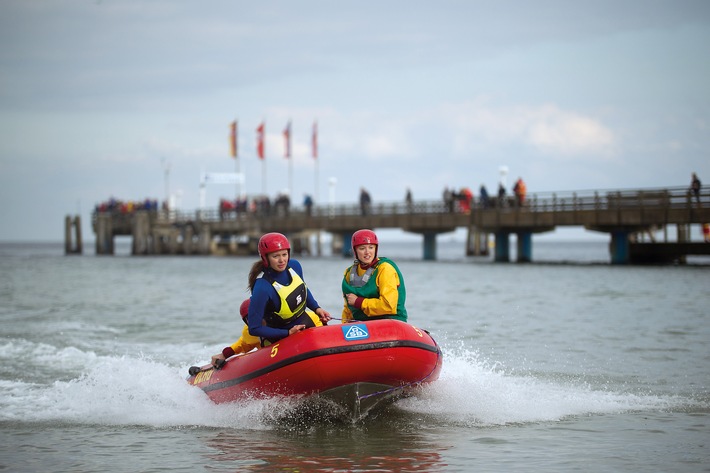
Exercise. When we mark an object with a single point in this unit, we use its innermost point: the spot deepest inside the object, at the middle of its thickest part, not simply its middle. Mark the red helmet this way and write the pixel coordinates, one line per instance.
(244, 308)
(273, 242)
(364, 237)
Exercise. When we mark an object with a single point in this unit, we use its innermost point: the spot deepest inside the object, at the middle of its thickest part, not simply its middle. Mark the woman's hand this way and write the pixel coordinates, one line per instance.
(351, 298)
(217, 360)
(324, 315)
(296, 329)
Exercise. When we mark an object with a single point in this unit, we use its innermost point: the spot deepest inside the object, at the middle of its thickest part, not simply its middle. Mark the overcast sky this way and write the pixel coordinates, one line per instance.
(97, 97)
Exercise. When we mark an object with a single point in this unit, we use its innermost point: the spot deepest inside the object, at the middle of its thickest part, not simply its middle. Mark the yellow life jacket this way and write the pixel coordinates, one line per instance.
(293, 298)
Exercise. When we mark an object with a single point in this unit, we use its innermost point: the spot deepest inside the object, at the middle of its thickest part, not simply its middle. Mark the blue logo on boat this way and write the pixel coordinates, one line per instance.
(355, 332)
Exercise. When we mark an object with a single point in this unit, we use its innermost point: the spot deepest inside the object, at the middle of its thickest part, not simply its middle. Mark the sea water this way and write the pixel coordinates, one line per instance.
(564, 364)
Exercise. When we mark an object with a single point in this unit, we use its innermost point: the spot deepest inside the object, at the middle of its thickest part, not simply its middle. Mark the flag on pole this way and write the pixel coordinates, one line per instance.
(233, 138)
(260, 141)
(287, 140)
(314, 140)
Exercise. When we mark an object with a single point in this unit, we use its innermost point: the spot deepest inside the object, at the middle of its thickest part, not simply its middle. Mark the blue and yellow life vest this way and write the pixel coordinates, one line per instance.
(293, 301)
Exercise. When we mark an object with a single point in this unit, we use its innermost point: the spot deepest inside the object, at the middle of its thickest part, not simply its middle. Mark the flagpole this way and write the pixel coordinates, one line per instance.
(261, 153)
(263, 176)
(314, 153)
(315, 184)
(234, 146)
(287, 154)
(314, 149)
(236, 160)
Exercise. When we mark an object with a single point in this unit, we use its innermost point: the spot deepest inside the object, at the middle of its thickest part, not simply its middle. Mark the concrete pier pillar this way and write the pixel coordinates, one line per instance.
(476, 242)
(683, 232)
(524, 247)
(187, 244)
(104, 234)
(67, 236)
(471, 241)
(173, 242)
(77, 233)
(502, 254)
(204, 239)
(72, 240)
(346, 241)
(619, 247)
(429, 246)
(141, 233)
(158, 242)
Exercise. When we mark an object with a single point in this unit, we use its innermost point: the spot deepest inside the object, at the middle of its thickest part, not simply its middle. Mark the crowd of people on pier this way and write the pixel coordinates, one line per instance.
(461, 200)
(126, 206)
(260, 205)
(464, 201)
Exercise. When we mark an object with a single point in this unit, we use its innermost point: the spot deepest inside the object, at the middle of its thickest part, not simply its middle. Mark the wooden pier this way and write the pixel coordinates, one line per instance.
(626, 215)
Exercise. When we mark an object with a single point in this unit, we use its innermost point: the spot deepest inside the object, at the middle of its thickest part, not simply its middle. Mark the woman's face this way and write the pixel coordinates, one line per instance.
(365, 253)
(278, 260)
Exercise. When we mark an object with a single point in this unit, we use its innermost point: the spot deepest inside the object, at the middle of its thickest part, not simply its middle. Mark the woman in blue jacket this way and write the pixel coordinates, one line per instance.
(279, 295)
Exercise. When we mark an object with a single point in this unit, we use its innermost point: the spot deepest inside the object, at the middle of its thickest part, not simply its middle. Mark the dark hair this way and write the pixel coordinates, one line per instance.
(256, 269)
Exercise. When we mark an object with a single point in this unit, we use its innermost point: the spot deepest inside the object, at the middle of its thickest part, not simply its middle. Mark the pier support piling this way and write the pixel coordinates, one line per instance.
(346, 244)
(72, 246)
(204, 239)
(524, 247)
(104, 234)
(429, 246)
(683, 232)
(619, 247)
(502, 254)
(141, 233)
(187, 240)
(476, 242)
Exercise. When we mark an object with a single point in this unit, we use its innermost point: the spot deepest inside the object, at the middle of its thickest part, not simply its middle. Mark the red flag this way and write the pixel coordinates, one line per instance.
(233, 138)
(260, 141)
(287, 140)
(314, 140)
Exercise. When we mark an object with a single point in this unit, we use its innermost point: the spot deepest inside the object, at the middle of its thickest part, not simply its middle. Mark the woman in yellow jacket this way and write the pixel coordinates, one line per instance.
(245, 344)
(373, 287)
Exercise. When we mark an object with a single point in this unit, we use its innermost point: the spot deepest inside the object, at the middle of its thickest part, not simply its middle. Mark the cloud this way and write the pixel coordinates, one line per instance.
(474, 126)
(563, 133)
(545, 129)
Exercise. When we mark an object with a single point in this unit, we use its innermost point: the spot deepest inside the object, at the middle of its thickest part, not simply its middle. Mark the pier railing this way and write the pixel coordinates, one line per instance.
(565, 201)
(625, 215)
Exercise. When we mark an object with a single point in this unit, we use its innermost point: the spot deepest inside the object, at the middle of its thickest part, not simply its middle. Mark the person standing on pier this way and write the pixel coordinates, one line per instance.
(501, 195)
(373, 287)
(520, 190)
(365, 202)
(279, 295)
(695, 186)
(483, 199)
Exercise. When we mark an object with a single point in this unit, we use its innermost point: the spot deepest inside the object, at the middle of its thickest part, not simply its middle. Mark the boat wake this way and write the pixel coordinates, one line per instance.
(141, 391)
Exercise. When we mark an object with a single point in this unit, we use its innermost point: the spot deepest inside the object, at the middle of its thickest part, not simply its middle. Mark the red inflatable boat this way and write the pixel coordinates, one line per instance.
(357, 365)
